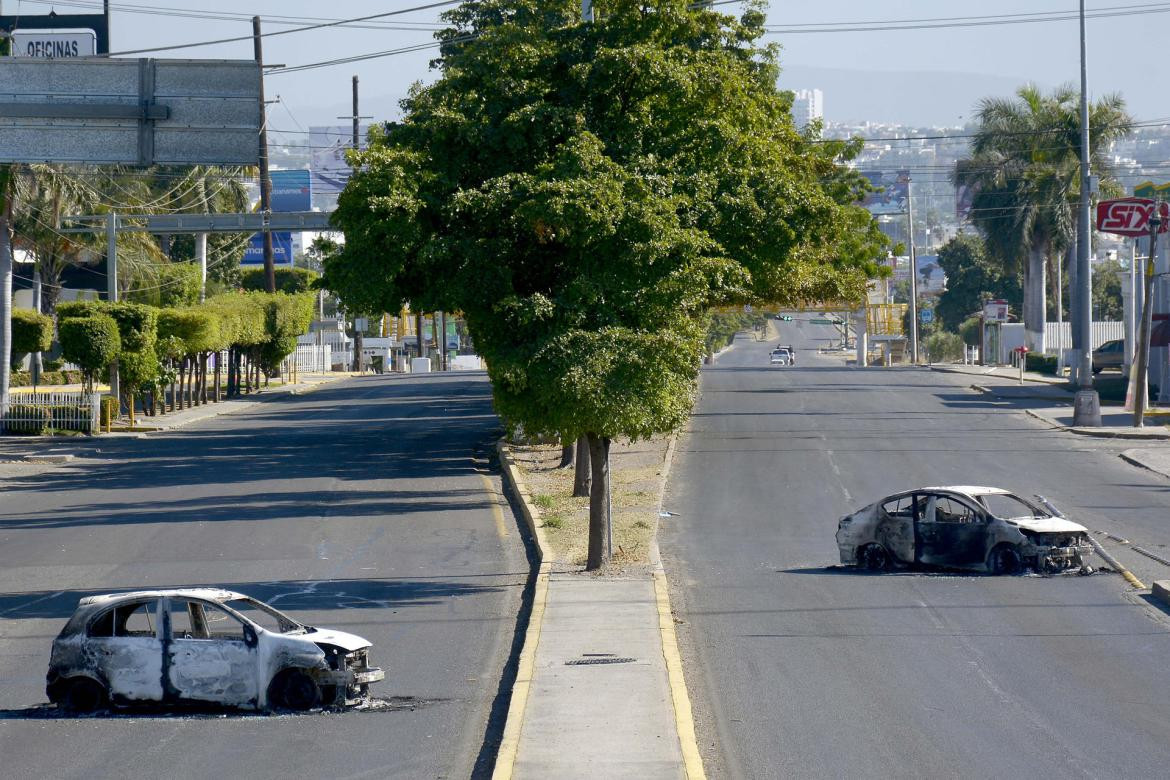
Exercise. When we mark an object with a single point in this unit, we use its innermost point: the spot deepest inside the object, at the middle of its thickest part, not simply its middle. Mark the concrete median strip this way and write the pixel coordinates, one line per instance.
(576, 711)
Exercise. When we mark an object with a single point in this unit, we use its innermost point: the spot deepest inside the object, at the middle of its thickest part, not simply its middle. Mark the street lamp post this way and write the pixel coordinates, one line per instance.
(1087, 406)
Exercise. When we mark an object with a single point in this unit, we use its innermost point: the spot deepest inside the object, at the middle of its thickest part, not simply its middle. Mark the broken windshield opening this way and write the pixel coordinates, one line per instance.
(1007, 506)
(265, 616)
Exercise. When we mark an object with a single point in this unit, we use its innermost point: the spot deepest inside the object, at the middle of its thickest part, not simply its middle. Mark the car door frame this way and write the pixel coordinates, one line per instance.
(182, 653)
(967, 541)
(132, 666)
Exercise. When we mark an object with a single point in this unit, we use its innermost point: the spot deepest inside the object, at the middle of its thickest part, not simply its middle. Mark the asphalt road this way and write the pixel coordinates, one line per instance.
(801, 668)
(365, 506)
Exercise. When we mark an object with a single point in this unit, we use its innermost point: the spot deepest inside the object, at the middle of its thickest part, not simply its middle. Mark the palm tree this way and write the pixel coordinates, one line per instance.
(1025, 171)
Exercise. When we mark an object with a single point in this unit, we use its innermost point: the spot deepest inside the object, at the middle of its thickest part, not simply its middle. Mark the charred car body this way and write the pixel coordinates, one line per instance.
(982, 528)
(202, 646)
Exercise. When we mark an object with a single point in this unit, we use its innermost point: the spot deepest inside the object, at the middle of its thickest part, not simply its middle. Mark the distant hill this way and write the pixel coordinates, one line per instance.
(917, 98)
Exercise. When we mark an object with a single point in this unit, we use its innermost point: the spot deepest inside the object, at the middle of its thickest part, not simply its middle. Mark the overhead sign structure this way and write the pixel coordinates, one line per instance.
(292, 190)
(1131, 216)
(329, 167)
(250, 222)
(282, 250)
(129, 112)
(891, 192)
(54, 44)
(98, 24)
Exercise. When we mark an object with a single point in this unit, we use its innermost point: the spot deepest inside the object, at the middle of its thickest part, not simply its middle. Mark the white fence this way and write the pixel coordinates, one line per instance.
(314, 358)
(35, 413)
(1056, 336)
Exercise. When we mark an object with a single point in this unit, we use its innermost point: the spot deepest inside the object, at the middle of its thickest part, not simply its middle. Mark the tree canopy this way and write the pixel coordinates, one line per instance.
(1024, 170)
(583, 193)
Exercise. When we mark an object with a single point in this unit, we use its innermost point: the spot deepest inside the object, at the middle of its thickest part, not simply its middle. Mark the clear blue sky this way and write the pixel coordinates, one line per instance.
(1123, 52)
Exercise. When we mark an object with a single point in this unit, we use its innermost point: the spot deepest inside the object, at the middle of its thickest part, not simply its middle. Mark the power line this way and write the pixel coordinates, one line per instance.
(305, 28)
(972, 21)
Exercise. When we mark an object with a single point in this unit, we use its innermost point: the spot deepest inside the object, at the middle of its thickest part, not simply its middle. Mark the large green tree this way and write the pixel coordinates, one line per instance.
(972, 279)
(1025, 171)
(583, 193)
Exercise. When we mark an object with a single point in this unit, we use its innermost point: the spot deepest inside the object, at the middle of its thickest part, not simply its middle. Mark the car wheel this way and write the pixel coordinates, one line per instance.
(1005, 559)
(295, 690)
(83, 694)
(874, 557)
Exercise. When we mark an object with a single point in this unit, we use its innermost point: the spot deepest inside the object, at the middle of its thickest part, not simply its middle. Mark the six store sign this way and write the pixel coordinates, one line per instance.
(1130, 216)
(55, 44)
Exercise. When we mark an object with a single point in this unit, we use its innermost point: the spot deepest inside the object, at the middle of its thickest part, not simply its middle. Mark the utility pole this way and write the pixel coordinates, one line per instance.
(357, 332)
(201, 254)
(112, 288)
(1142, 370)
(1087, 405)
(265, 182)
(913, 275)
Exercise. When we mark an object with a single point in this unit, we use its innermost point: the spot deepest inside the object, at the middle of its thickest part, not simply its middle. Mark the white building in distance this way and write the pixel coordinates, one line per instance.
(809, 104)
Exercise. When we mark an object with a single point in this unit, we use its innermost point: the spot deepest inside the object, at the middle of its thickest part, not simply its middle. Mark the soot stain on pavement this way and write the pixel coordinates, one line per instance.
(375, 704)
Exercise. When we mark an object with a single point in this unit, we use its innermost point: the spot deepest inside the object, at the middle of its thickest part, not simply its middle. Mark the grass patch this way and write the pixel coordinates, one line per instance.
(553, 521)
(544, 501)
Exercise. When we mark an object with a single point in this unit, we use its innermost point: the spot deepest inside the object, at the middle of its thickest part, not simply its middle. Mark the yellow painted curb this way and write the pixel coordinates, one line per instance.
(683, 715)
(514, 723)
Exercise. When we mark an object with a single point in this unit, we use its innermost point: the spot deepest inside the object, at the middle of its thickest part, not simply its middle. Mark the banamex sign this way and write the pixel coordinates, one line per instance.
(1130, 216)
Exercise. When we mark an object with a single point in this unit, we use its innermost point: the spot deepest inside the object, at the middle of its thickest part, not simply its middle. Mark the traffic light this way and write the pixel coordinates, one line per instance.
(787, 318)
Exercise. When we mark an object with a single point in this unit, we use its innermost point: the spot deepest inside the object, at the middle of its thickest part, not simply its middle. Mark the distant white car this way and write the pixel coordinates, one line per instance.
(202, 645)
(782, 356)
(983, 528)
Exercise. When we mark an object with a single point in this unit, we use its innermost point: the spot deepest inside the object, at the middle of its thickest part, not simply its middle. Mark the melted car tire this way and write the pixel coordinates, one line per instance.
(875, 558)
(294, 690)
(83, 694)
(1005, 559)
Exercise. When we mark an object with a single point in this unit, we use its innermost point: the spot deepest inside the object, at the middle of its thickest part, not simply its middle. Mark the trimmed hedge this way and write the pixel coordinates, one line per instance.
(1041, 364)
(24, 378)
(31, 332)
(288, 280)
(91, 343)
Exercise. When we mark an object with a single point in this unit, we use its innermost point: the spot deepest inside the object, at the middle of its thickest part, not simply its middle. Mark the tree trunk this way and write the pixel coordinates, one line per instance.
(581, 475)
(598, 514)
(218, 355)
(1035, 298)
(568, 450)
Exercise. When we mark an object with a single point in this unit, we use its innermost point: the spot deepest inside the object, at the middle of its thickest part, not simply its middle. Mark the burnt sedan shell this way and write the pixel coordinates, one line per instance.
(203, 645)
(979, 528)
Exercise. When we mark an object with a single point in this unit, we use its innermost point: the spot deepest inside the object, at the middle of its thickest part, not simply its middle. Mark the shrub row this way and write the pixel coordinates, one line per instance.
(24, 378)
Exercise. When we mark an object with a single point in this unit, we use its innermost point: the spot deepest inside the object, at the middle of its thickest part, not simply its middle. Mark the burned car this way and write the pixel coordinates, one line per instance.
(202, 646)
(982, 528)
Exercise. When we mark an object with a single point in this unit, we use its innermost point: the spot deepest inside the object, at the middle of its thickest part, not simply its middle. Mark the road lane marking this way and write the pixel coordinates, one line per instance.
(497, 509)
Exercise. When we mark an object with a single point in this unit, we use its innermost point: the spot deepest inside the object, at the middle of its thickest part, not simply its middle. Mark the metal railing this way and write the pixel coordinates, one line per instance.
(39, 413)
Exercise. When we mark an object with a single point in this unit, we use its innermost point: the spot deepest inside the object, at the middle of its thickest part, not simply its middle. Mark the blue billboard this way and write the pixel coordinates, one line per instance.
(282, 249)
(291, 191)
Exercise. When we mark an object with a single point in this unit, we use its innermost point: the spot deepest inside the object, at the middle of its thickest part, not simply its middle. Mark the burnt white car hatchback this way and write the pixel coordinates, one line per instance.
(981, 528)
(202, 646)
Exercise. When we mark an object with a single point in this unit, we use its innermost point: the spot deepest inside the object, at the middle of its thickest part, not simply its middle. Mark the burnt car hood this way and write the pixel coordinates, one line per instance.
(1048, 525)
(347, 642)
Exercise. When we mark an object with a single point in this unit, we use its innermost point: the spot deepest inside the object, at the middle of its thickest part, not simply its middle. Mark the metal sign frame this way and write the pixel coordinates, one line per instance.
(99, 23)
(175, 224)
(130, 111)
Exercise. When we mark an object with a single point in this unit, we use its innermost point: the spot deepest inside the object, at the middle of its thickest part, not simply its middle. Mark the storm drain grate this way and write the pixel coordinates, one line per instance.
(597, 661)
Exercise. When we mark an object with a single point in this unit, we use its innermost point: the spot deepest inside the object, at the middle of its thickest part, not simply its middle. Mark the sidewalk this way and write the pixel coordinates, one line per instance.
(18, 448)
(599, 689)
(1053, 403)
